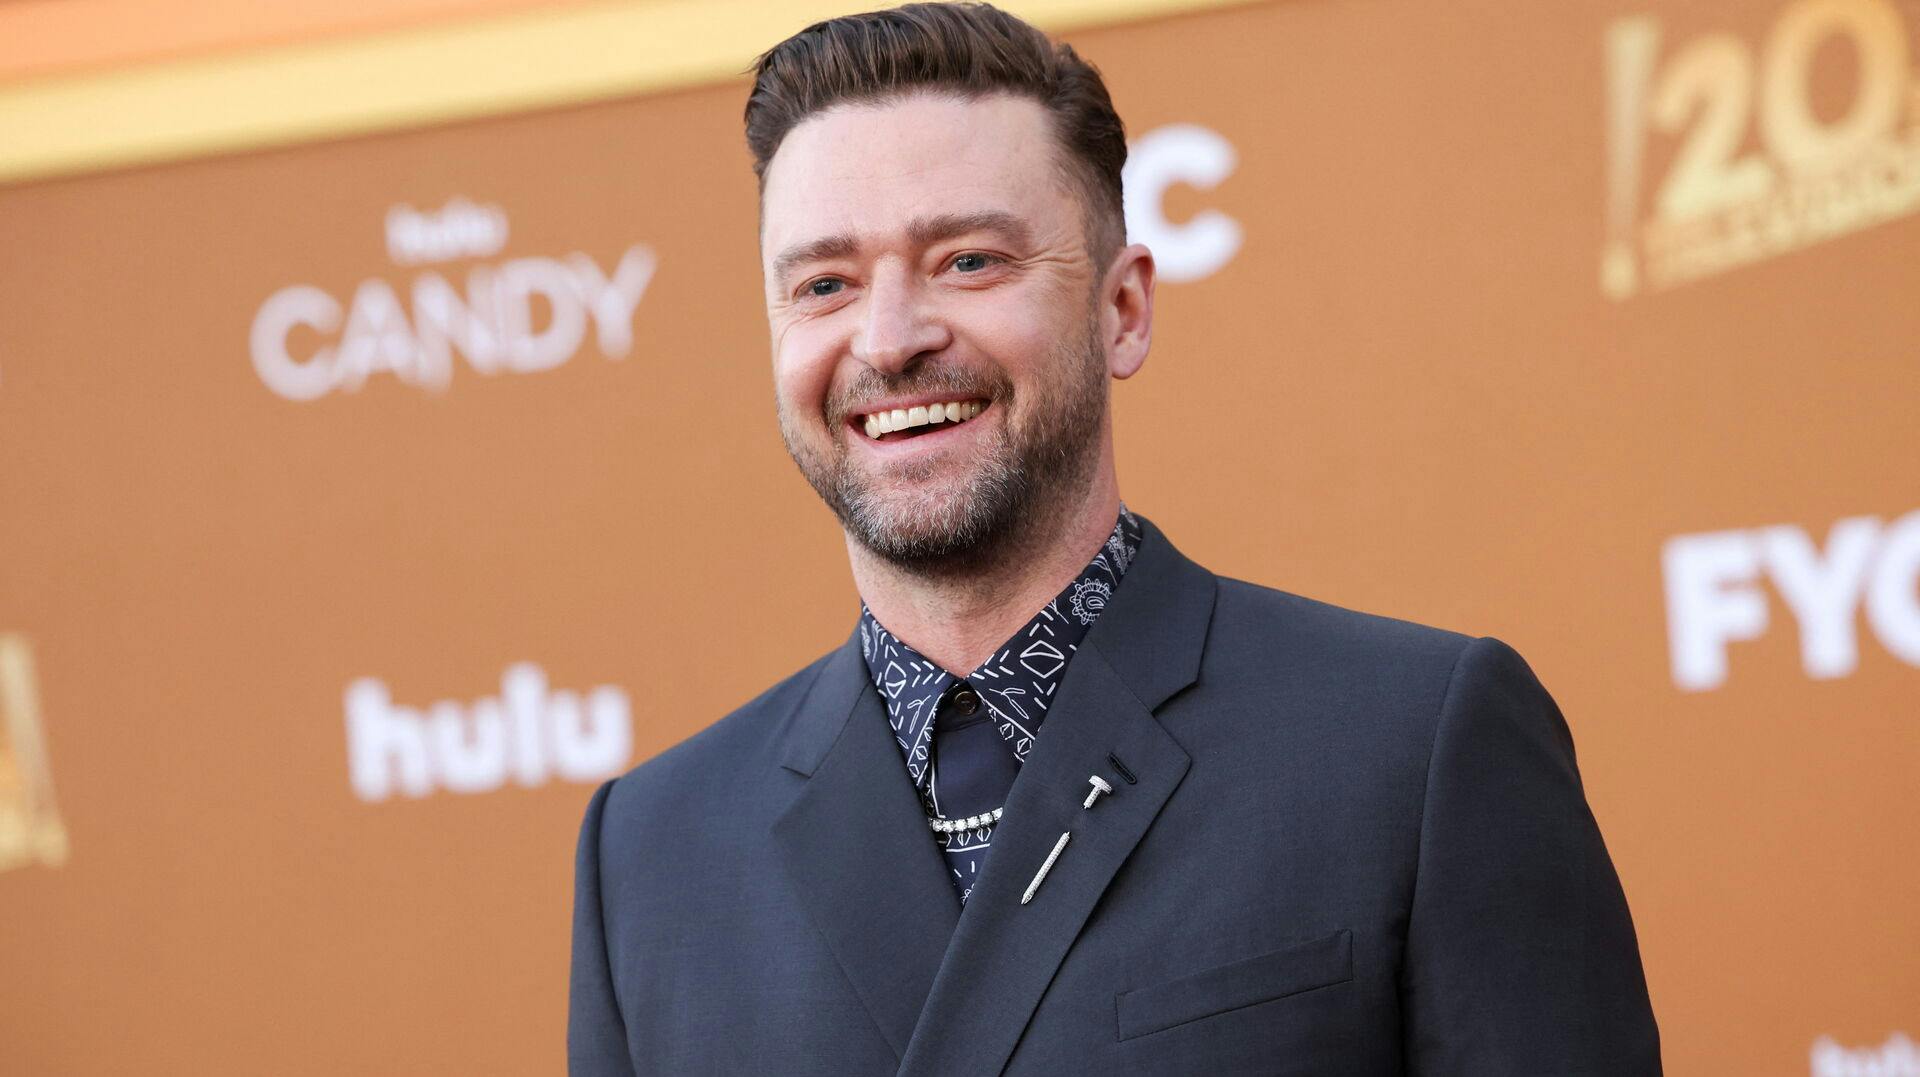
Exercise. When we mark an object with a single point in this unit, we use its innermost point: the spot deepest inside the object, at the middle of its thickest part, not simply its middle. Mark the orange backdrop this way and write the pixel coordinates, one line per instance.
(361, 502)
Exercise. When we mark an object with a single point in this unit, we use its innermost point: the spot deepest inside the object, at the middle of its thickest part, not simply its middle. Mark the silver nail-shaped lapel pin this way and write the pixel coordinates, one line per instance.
(1046, 867)
(1099, 787)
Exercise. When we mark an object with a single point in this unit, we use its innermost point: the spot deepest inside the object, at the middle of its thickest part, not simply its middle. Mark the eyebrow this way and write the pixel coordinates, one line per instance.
(921, 232)
(840, 246)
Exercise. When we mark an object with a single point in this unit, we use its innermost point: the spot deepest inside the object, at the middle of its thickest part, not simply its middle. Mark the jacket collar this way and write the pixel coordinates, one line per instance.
(1156, 629)
(952, 993)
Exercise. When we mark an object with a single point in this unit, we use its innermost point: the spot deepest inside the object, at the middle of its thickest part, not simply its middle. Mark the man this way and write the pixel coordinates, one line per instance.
(1065, 802)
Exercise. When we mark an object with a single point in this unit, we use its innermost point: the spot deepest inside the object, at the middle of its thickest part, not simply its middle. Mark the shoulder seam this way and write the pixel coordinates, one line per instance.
(1426, 784)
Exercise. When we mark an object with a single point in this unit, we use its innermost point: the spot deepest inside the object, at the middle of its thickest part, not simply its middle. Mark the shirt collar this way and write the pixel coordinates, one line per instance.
(1018, 680)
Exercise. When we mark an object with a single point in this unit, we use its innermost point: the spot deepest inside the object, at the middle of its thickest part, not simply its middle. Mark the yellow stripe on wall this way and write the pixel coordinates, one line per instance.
(537, 59)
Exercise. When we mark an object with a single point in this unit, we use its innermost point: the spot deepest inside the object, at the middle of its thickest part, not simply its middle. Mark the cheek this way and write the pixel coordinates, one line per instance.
(1022, 339)
(803, 364)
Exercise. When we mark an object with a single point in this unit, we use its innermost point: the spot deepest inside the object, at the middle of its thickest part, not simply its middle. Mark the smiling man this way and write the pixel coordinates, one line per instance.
(1064, 802)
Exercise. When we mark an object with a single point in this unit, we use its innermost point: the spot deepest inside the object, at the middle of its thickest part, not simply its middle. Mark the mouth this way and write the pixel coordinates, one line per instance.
(902, 424)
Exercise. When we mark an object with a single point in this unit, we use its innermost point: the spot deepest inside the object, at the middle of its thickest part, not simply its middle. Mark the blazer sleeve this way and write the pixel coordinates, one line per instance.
(1521, 956)
(596, 1034)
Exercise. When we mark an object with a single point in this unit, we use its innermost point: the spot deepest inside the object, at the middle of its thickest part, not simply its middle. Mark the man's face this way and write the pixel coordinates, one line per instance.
(925, 261)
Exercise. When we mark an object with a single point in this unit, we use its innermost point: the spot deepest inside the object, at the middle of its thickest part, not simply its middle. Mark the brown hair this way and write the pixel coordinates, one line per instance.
(963, 49)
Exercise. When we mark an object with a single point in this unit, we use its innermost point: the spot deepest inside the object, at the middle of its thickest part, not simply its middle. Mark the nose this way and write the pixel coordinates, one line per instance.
(900, 324)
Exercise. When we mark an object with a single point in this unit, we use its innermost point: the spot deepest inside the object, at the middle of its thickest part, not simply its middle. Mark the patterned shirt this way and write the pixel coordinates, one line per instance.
(1016, 683)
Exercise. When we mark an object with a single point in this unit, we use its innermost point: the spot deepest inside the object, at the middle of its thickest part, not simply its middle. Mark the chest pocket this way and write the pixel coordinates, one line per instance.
(1276, 974)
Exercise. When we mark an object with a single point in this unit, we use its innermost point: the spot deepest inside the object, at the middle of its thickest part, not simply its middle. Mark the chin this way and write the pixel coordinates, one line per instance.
(952, 528)
(919, 515)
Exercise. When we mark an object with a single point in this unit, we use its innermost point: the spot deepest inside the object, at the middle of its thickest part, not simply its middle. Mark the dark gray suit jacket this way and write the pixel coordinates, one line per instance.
(1354, 846)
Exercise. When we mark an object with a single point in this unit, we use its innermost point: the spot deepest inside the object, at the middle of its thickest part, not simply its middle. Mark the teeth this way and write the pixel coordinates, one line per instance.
(886, 422)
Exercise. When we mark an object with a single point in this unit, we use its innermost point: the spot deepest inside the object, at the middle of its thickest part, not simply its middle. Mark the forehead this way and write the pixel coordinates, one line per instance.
(869, 169)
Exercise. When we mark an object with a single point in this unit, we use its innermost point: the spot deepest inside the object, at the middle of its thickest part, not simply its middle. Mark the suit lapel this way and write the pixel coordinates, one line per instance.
(857, 850)
(1144, 648)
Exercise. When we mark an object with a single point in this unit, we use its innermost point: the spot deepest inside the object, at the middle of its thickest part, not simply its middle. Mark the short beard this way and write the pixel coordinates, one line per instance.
(1024, 480)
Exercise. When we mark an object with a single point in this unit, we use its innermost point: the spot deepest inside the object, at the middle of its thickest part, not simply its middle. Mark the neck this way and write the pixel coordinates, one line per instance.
(957, 621)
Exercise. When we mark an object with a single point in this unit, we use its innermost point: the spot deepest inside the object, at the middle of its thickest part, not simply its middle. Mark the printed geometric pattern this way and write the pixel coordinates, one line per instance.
(1016, 683)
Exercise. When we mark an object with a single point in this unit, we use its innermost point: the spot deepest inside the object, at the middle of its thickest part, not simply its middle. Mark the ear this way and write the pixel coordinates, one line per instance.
(1126, 310)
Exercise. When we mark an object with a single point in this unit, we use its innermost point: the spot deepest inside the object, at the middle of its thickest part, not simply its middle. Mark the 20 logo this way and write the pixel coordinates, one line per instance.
(30, 828)
(1725, 202)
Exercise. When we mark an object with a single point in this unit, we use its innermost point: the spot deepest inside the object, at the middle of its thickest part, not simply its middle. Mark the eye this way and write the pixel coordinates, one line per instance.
(824, 287)
(972, 262)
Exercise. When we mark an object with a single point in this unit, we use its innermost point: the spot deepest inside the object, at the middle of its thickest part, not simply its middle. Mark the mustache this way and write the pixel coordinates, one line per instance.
(871, 386)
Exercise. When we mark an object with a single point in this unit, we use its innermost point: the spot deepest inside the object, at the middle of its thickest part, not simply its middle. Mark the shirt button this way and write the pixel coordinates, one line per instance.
(965, 702)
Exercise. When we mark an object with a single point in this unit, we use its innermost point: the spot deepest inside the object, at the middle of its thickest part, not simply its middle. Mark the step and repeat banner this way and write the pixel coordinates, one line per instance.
(363, 503)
